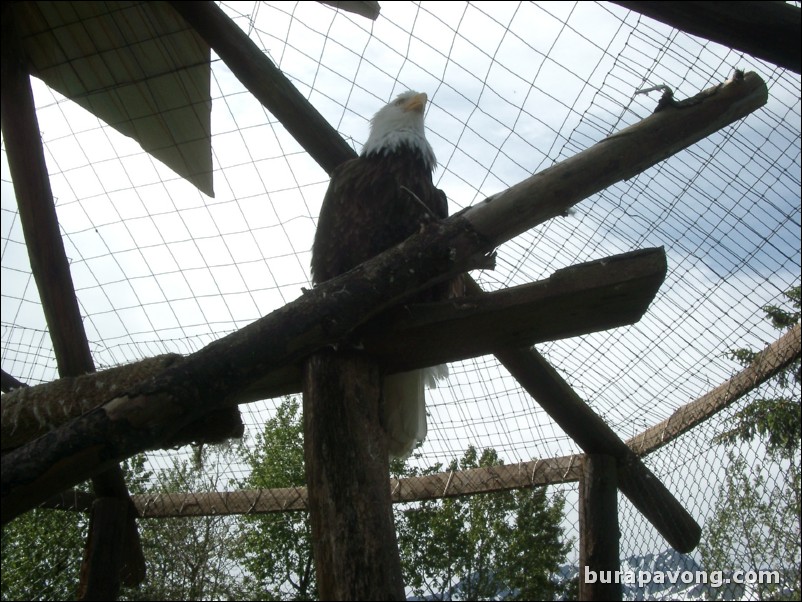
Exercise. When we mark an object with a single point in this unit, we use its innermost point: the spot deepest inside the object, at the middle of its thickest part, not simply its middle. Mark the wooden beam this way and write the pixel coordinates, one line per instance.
(30, 412)
(9, 383)
(50, 266)
(594, 436)
(103, 556)
(347, 467)
(267, 83)
(565, 469)
(780, 354)
(577, 300)
(766, 30)
(768, 363)
(599, 561)
(621, 156)
(335, 308)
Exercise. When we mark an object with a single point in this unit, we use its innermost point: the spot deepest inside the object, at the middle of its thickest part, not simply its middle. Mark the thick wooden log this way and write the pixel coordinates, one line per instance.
(623, 155)
(767, 30)
(50, 266)
(576, 300)
(775, 357)
(599, 561)
(30, 412)
(584, 298)
(333, 309)
(347, 474)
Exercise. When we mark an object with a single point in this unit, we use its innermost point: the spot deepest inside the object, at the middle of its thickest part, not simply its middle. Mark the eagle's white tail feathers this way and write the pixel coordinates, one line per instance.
(404, 408)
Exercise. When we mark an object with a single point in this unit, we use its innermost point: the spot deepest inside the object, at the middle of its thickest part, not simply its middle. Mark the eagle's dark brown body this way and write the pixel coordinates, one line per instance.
(372, 204)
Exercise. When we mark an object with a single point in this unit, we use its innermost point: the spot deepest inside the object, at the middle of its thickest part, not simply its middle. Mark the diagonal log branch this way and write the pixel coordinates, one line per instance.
(777, 356)
(51, 271)
(767, 30)
(324, 315)
(266, 82)
(573, 301)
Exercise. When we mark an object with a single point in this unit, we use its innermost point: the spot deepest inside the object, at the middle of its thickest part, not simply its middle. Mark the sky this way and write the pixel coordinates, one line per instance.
(513, 88)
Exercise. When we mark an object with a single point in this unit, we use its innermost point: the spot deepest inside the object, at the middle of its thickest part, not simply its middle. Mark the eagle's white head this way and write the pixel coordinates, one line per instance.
(400, 125)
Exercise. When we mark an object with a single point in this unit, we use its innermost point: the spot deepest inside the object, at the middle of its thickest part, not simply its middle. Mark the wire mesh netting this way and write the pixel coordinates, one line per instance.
(514, 88)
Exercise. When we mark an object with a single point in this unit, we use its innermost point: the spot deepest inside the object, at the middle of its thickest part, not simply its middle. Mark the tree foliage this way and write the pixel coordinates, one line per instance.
(756, 524)
(276, 549)
(189, 558)
(777, 421)
(41, 555)
(506, 545)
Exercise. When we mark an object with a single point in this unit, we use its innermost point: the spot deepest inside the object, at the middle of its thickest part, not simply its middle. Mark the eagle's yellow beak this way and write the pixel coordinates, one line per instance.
(416, 103)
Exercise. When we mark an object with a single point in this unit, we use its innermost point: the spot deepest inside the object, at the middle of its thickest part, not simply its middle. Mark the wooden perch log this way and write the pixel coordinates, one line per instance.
(767, 30)
(621, 156)
(577, 300)
(325, 315)
(347, 467)
(550, 471)
(30, 412)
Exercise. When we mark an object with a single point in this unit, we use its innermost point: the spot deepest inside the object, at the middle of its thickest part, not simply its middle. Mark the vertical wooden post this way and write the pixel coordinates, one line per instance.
(103, 555)
(347, 474)
(51, 271)
(599, 565)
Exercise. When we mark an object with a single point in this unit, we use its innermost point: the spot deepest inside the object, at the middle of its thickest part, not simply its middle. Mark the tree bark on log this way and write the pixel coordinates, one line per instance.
(443, 250)
(599, 560)
(347, 475)
(51, 271)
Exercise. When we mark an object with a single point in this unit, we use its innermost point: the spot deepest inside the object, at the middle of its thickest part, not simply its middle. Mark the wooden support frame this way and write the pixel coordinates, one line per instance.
(200, 383)
(547, 471)
(51, 272)
(767, 30)
(620, 288)
(599, 535)
(452, 246)
(347, 466)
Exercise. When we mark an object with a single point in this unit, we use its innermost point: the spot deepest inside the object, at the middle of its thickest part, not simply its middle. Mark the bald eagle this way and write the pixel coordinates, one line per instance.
(375, 202)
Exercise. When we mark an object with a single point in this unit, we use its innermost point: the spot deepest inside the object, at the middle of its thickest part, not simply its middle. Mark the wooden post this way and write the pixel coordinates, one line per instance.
(598, 530)
(347, 474)
(51, 269)
(103, 555)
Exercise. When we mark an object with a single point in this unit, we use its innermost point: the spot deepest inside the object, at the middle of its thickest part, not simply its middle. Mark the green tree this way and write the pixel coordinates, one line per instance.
(478, 547)
(41, 555)
(189, 558)
(756, 525)
(777, 420)
(276, 549)
(498, 545)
